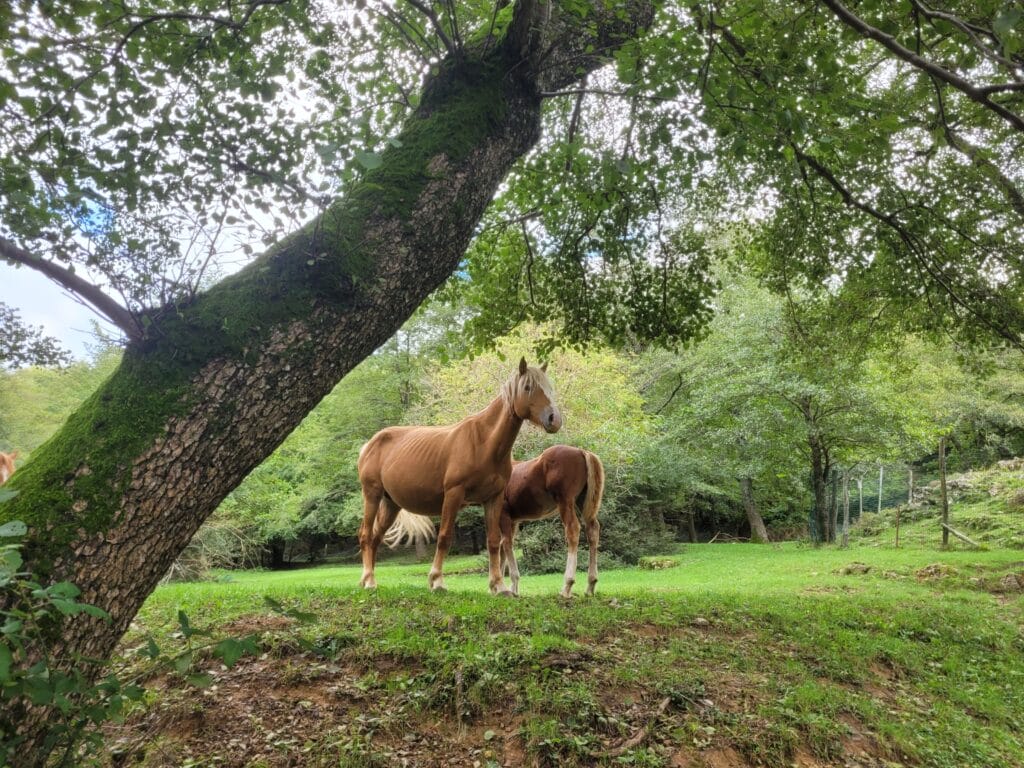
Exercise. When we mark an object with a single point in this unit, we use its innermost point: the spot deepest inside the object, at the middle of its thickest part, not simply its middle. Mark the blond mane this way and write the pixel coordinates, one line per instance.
(534, 376)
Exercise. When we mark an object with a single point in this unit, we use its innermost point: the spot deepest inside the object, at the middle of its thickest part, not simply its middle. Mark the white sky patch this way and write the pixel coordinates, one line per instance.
(41, 302)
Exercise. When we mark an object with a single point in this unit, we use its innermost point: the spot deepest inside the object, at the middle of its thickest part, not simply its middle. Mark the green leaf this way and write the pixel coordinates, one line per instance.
(229, 650)
(11, 626)
(200, 680)
(186, 627)
(15, 527)
(38, 690)
(67, 607)
(6, 494)
(134, 692)
(6, 660)
(63, 589)
(369, 160)
(1007, 20)
(10, 561)
(95, 611)
(300, 616)
(152, 650)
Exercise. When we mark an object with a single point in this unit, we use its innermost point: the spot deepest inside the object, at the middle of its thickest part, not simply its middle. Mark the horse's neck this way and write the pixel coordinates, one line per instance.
(501, 426)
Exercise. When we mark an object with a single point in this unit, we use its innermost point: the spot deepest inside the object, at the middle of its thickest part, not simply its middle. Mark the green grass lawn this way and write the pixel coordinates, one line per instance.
(735, 655)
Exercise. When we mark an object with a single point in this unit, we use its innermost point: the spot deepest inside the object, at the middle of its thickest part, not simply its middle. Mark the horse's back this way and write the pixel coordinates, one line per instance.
(565, 466)
(409, 465)
(395, 439)
(538, 485)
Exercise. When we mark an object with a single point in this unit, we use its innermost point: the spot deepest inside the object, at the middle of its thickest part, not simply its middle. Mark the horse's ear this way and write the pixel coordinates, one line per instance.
(544, 368)
(522, 366)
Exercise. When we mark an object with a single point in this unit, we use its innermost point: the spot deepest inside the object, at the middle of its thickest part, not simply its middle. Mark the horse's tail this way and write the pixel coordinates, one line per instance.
(409, 528)
(595, 487)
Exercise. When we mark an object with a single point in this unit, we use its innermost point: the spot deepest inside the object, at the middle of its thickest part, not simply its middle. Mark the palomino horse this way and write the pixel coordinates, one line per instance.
(560, 479)
(436, 471)
(7, 466)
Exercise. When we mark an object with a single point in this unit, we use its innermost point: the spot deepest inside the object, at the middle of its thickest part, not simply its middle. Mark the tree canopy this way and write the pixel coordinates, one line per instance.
(873, 149)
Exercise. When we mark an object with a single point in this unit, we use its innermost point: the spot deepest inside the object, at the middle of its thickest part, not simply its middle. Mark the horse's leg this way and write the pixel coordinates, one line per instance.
(492, 524)
(505, 525)
(567, 509)
(371, 503)
(386, 514)
(593, 527)
(453, 499)
(508, 543)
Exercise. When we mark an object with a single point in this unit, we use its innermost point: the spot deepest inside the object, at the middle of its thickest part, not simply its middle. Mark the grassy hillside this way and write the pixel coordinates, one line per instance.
(722, 655)
(986, 505)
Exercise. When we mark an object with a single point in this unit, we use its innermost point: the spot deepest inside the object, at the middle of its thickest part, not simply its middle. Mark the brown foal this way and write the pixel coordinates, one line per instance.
(558, 480)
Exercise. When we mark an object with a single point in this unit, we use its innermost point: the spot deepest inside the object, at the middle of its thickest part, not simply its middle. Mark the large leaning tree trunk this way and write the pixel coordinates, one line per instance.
(114, 496)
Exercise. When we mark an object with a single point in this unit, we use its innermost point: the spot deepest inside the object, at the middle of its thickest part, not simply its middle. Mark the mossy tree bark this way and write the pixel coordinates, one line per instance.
(217, 385)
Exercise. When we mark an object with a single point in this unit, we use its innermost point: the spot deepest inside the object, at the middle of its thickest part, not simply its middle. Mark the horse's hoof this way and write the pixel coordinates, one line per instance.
(506, 593)
(438, 588)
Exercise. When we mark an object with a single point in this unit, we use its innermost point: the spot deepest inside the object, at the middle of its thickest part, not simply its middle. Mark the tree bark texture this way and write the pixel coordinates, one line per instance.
(114, 496)
(833, 506)
(691, 527)
(943, 494)
(819, 485)
(758, 532)
(846, 509)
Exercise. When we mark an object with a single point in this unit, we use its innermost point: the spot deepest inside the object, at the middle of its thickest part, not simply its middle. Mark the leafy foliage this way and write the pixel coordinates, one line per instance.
(81, 696)
(150, 145)
(36, 400)
(22, 344)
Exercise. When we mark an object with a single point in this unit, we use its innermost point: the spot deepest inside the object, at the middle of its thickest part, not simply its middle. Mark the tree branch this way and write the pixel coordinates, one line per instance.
(529, 261)
(574, 122)
(427, 11)
(974, 93)
(78, 286)
(916, 252)
(973, 31)
(672, 395)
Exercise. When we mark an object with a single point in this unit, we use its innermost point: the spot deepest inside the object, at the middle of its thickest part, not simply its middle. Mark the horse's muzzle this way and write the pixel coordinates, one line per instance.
(552, 420)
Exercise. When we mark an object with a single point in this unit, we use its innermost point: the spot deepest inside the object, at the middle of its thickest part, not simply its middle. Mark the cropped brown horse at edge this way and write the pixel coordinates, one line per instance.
(436, 471)
(561, 480)
(7, 466)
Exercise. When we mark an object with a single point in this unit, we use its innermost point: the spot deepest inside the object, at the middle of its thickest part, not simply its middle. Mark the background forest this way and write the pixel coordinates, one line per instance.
(777, 398)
